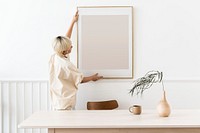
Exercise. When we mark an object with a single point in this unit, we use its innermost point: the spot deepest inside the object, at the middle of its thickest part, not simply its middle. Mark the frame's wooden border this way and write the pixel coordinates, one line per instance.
(132, 38)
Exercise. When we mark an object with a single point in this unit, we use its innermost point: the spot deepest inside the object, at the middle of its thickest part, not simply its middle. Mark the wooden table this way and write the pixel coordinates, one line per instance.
(114, 121)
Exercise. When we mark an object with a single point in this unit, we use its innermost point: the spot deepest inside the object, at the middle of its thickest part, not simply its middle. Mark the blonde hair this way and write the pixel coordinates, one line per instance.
(61, 44)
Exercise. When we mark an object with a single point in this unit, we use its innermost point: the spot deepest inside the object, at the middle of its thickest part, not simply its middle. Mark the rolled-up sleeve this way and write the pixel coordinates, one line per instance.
(74, 75)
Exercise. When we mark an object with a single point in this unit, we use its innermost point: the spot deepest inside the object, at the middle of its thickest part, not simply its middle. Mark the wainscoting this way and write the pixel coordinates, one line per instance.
(18, 100)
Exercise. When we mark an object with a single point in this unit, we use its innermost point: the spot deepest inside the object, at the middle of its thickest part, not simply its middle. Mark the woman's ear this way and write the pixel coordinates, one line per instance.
(63, 52)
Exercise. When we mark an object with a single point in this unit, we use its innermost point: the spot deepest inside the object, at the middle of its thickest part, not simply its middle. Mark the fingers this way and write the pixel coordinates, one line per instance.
(76, 13)
(99, 77)
(75, 19)
(96, 74)
(96, 77)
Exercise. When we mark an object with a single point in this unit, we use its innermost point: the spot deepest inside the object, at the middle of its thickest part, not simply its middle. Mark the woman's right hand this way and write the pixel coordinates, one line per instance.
(75, 19)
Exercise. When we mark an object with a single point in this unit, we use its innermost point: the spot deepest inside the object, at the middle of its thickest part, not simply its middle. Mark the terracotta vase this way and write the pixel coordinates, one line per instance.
(163, 107)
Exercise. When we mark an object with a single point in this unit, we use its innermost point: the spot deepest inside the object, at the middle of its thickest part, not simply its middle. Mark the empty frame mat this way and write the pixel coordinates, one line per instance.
(105, 41)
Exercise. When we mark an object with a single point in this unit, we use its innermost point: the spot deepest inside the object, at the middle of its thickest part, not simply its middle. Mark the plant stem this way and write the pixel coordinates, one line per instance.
(163, 86)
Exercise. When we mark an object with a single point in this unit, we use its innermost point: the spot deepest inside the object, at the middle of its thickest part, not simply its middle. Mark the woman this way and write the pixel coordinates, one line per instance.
(64, 76)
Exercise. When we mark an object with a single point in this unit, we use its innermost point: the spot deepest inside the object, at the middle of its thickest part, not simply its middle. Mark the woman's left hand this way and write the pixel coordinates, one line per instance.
(95, 77)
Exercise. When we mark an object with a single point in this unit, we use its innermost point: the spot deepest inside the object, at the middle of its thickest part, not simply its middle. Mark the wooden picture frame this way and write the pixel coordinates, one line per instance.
(105, 41)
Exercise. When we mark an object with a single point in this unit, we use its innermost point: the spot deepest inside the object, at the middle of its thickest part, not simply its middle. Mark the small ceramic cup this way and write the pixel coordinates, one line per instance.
(135, 109)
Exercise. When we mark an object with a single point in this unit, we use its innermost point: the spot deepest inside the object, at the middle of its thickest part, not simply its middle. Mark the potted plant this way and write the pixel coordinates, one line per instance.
(143, 83)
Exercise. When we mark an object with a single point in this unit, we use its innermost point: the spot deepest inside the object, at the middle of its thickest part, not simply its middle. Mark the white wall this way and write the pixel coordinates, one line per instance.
(28, 28)
(166, 38)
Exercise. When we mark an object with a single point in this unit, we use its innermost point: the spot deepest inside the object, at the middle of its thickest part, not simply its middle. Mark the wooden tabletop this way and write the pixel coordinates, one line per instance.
(112, 119)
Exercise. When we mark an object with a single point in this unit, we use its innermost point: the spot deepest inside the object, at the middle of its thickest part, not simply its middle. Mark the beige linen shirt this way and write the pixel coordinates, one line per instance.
(64, 80)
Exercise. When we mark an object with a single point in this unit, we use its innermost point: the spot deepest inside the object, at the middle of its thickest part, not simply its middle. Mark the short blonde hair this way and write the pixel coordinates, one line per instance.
(61, 44)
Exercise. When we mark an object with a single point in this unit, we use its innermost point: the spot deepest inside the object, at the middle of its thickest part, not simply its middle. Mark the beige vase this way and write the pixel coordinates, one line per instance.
(163, 107)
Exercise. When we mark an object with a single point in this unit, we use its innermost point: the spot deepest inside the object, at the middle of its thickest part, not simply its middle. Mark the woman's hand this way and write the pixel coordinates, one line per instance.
(75, 19)
(95, 77)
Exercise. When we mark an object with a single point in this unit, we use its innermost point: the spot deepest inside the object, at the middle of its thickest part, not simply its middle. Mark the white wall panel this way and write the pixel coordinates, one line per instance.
(19, 99)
